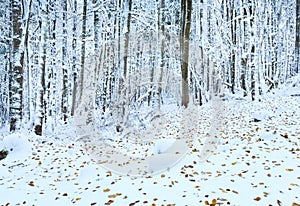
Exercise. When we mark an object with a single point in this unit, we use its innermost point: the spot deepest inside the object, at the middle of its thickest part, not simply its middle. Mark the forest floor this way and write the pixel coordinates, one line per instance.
(257, 162)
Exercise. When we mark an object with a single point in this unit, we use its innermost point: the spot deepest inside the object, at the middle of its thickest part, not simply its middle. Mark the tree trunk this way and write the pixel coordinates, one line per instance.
(83, 34)
(297, 49)
(126, 53)
(125, 80)
(41, 102)
(16, 68)
(161, 23)
(64, 100)
(233, 39)
(186, 9)
(74, 58)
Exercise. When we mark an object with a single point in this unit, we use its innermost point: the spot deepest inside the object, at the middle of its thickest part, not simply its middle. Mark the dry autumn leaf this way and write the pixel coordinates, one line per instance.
(285, 135)
(257, 199)
(279, 202)
(106, 190)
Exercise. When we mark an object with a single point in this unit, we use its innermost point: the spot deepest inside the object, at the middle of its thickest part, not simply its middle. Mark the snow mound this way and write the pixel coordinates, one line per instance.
(261, 115)
(17, 145)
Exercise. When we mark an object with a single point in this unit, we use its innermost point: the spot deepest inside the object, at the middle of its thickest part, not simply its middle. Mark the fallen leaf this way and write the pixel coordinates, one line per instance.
(279, 202)
(285, 135)
(257, 199)
(106, 190)
(31, 183)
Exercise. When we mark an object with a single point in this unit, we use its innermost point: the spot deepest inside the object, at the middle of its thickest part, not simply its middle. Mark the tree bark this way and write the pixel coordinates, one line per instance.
(83, 35)
(233, 39)
(64, 100)
(297, 46)
(126, 53)
(161, 23)
(41, 101)
(16, 68)
(186, 8)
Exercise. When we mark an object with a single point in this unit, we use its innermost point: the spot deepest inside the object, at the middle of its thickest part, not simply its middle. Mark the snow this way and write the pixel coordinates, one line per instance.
(254, 163)
(18, 146)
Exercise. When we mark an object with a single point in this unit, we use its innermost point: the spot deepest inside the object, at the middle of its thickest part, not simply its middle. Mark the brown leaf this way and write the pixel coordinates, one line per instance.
(112, 196)
(109, 202)
(279, 202)
(235, 192)
(257, 199)
(31, 183)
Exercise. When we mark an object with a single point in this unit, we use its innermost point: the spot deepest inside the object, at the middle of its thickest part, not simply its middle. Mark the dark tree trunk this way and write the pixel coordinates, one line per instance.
(42, 103)
(127, 40)
(74, 58)
(233, 57)
(64, 103)
(186, 9)
(161, 23)
(83, 34)
(16, 67)
(297, 37)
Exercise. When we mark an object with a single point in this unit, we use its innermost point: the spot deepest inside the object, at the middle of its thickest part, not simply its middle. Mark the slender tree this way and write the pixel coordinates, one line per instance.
(186, 9)
(161, 23)
(127, 39)
(74, 58)
(233, 39)
(297, 45)
(64, 99)
(83, 46)
(16, 67)
(41, 105)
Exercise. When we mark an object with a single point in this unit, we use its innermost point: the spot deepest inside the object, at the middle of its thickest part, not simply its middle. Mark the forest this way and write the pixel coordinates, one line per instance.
(149, 102)
(127, 54)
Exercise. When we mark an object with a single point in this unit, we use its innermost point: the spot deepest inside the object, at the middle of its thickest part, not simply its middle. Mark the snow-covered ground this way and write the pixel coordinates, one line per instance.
(257, 162)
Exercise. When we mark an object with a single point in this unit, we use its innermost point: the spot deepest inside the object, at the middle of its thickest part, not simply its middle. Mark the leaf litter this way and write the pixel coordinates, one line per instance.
(254, 163)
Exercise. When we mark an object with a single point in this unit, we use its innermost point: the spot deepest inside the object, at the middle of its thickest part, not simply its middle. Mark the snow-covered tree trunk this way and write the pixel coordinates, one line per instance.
(126, 73)
(297, 45)
(83, 45)
(41, 103)
(234, 46)
(161, 23)
(5, 53)
(16, 67)
(74, 58)
(65, 71)
(52, 95)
